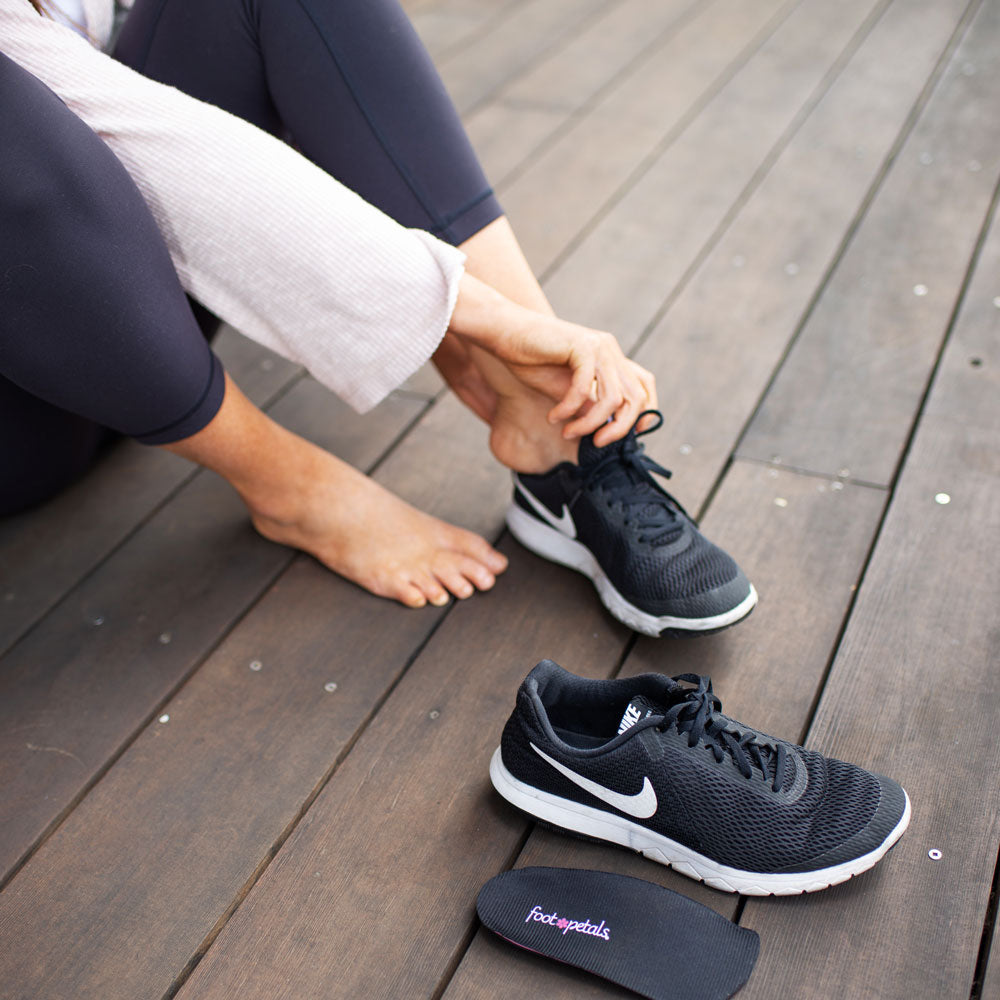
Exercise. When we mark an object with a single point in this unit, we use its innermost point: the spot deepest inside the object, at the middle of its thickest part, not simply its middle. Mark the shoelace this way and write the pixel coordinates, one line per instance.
(625, 467)
(695, 715)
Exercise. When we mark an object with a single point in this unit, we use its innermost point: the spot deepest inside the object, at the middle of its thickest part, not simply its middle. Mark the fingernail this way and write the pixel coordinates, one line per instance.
(440, 601)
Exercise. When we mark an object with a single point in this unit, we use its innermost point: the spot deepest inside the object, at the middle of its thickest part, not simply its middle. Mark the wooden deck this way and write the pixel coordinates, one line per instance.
(227, 773)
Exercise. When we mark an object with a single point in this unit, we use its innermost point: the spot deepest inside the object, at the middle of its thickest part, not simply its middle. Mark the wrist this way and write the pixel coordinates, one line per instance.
(484, 317)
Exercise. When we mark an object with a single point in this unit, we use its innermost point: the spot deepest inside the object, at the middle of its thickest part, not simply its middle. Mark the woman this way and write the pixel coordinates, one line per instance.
(361, 281)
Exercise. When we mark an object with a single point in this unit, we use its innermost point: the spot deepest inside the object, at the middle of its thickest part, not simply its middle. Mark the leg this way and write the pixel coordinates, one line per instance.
(77, 242)
(302, 496)
(95, 322)
(42, 448)
(384, 126)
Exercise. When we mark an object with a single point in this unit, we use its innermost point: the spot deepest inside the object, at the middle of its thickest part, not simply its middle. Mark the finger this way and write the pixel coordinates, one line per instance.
(577, 394)
(624, 418)
(648, 382)
(610, 400)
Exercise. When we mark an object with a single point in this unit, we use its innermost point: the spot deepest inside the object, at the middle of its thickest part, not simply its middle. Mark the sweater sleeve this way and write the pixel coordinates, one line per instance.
(261, 236)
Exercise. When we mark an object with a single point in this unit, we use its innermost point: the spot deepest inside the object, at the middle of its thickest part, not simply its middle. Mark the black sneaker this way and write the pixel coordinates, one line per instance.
(653, 765)
(607, 518)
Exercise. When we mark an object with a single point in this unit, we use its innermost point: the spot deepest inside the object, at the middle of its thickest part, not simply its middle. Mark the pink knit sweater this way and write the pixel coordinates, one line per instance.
(261, 236)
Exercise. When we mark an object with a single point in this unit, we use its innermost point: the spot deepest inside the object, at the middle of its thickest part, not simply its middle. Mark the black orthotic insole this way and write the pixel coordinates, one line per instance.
(648, 939)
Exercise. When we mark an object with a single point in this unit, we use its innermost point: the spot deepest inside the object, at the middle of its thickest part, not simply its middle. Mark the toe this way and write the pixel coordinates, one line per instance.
(431, 589)
(455, 581)
(480, 550)
(475, 572)
(410, 595)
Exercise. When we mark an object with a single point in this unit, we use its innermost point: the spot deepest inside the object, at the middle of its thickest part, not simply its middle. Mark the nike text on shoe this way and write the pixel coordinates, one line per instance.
(650, 763)
(607, 518)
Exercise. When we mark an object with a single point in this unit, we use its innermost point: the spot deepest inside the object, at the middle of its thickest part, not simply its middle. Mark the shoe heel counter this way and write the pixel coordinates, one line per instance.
(517, 736)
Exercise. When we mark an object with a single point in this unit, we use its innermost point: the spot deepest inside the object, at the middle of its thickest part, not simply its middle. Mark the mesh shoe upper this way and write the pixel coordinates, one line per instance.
(644, 541)
(731, 793)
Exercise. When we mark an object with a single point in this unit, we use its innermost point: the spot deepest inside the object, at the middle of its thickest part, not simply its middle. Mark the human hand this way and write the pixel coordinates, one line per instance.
(596, 388)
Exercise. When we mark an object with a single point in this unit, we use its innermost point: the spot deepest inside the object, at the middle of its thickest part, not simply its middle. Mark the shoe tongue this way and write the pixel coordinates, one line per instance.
(640, 707)
(589, 454)
(655, 509)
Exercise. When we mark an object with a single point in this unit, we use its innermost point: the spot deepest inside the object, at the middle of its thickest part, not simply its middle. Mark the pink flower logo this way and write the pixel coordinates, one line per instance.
(563, 924)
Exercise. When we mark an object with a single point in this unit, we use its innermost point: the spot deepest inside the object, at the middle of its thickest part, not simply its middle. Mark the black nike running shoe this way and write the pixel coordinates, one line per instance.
(653, 765)
(607, 518)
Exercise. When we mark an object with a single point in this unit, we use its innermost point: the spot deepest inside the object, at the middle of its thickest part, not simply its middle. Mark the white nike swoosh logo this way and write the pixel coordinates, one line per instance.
(564, 524)
(641, 805)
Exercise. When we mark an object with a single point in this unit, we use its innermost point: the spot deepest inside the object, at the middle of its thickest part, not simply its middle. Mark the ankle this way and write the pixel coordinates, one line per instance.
(530, 450)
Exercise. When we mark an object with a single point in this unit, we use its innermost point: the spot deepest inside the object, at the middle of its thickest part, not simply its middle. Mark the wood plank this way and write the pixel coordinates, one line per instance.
(846, 395)
(609, 46)
(557, 195)
(915, 693)
(991, 980)
(509, 128)
(475, 71)
(98, 512)
(505, 135)
(172, 834)
(621, 269)
(805, 557)
(321, 914)
(742, 304)
(179, 786)
(74, 691)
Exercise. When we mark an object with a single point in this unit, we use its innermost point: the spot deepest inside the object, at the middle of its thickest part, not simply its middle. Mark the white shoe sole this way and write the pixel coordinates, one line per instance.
(554, 545)
(606, 826)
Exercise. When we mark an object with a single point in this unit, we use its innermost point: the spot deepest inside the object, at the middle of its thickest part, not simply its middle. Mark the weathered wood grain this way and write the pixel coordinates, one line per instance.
(623, 268)
(805, 557)
(722, 337)
(170, 836)
(515, 42)
(524, 117)
(407, 828)
(915, 693)
(556, 196)
(846, 396)
(73, 691)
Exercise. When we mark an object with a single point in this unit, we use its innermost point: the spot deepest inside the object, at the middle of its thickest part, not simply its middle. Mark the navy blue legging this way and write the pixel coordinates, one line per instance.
(95, 331)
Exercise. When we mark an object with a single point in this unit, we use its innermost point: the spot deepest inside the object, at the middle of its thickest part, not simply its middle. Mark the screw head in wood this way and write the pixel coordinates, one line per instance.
(330, 687)
(164, 718)
(256, 665)
(934, 854)
(942, 498)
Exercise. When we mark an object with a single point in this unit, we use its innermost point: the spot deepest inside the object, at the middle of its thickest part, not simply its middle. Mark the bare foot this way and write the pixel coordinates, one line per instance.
(363, 532)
